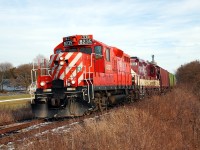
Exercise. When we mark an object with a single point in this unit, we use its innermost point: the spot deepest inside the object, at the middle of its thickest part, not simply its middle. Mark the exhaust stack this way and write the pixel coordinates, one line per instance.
(153, 61)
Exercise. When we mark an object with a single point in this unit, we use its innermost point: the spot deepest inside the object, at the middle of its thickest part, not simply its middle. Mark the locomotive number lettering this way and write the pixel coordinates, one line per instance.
(67, 38)
(67, 43)
(85, 41)
(85, 36)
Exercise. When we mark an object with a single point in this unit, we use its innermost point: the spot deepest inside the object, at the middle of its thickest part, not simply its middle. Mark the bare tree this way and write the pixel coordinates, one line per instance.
(4, 71)
(40, 61)
(189, 74)
(39, 58)
(23, 75)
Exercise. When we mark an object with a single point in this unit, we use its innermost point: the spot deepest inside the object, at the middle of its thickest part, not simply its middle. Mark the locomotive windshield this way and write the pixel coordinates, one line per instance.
(72, 50)
(134, 63)
(58, 51)
(86, 50)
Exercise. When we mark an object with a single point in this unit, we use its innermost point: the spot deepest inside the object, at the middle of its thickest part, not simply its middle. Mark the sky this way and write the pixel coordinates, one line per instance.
(168, 29)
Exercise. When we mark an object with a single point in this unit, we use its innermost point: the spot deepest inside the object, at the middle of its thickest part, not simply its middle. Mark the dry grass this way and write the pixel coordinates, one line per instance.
(5, 97)
(15, 112)
(171, 121)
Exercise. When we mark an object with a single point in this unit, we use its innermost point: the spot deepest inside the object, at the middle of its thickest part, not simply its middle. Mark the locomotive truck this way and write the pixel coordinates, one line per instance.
(85, 75)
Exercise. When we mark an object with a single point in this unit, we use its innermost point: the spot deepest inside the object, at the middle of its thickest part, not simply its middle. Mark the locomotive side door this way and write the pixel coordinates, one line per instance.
(99, 65)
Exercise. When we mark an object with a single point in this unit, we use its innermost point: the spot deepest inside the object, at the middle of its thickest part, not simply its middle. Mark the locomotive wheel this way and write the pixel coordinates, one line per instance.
(130, 98)
(101, 103)
(137, 95)
(87, 113)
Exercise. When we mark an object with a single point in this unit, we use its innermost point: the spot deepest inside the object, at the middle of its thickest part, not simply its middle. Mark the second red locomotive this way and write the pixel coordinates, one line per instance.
(85, 75)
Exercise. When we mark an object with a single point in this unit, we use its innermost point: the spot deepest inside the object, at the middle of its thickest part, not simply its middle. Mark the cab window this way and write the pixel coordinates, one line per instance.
(107, 54)
(98, 51)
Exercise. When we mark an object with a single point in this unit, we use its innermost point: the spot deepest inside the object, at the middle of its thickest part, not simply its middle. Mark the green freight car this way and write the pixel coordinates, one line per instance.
(172, 80)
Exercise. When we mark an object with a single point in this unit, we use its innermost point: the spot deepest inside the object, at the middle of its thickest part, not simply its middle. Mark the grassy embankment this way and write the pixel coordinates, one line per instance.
(166, 122)
(14, 96)
(14, 110)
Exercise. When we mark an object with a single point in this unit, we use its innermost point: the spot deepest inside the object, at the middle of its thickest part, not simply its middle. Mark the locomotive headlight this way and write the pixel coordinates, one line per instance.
(62, 63)
(61, 58)
(42, 83)
(73, 82)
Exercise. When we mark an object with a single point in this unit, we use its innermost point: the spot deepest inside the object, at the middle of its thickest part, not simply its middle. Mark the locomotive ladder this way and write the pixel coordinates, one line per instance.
(89, 82)
(89, 79)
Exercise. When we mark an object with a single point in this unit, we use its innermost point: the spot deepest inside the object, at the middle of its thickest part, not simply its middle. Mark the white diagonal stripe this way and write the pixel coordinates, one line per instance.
(80, 79)
(52, 58)
(60, 67)
(68, 56)
(57, 71)
(75, 71)
(62, 76)
(72, 63)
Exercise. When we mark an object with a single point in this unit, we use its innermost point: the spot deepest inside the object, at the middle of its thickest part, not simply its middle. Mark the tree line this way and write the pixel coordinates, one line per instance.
(189, 75)
(15, 76)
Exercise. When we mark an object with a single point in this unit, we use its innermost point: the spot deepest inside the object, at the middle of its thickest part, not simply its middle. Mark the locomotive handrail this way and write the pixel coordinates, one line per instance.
(91, 64)
(88, 91)
(88, 80)
(87, 84)
(34, 79)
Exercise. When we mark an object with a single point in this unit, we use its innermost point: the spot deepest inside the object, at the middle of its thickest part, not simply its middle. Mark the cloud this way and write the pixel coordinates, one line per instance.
(168, 29)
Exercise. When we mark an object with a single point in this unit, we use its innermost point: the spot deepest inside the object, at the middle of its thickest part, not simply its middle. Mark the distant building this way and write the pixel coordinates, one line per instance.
(7, 86)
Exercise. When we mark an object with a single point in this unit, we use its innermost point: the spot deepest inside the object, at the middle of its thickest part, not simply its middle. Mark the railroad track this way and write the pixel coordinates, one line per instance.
(11, 128)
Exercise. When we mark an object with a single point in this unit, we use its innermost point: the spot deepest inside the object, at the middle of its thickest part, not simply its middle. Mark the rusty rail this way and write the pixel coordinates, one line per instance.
(10, 129)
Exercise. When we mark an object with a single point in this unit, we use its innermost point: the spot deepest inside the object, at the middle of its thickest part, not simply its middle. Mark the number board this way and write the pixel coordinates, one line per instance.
(85, 41)
(68, 43)
(77, 40)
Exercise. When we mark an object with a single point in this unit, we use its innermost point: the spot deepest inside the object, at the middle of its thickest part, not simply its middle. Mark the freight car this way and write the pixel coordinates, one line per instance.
(85, 75)
(149, 78)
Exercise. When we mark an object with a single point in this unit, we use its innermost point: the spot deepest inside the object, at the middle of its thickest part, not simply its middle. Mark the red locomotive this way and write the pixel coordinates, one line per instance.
(86, 75)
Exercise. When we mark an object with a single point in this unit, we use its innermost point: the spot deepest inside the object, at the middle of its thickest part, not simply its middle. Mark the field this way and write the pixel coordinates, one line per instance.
(15, 110)
(170, 121)
(14, 96)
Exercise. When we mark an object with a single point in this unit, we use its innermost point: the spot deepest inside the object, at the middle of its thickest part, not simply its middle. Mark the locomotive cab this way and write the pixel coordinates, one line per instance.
(69, 80)
(84, 75)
